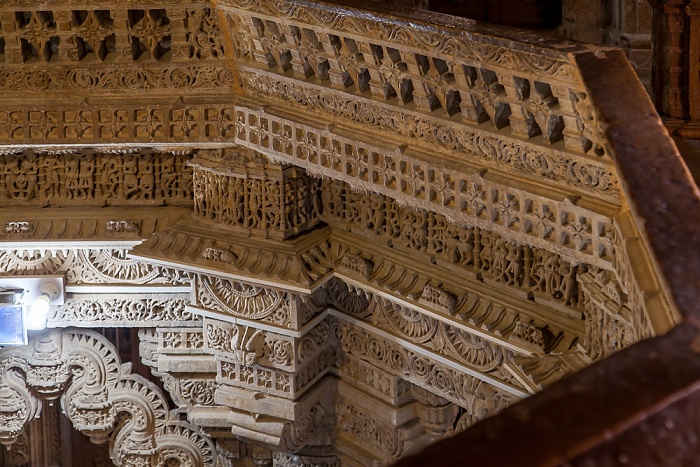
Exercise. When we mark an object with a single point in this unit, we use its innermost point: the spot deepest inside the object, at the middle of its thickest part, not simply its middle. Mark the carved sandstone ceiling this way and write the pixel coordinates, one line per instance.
(340, 235)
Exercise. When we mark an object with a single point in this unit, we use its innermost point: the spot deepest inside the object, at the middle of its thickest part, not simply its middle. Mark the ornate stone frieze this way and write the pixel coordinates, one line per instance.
(437, 335)
(102, 399)
(97, 44)
(119, 310)
(236, 299)
(114, 79)
(88, 266)
(115, 124)
(563, 169)
(144, 177)
(462, 197)
(437, 70)
(239, 189)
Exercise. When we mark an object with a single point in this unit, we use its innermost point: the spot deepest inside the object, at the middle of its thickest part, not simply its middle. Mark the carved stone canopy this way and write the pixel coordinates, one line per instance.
(340, 236)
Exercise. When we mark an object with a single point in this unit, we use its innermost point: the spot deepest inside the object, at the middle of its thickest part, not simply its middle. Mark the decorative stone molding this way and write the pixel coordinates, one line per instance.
(299, 264)
(102, 399)
(435, 377)
(106, 265)
(562, 169)
(114, 125)
(117, 310)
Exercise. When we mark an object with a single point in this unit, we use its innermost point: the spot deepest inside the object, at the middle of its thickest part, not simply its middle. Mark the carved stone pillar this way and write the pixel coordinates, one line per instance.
(676, 74)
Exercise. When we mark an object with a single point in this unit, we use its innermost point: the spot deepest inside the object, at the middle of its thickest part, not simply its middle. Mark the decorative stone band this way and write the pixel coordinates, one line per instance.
(118, 125)
(93, 398)
(433, 374)
(133, 310)
(565, 170)
(115, 79)
(462, 196)
(136, 177)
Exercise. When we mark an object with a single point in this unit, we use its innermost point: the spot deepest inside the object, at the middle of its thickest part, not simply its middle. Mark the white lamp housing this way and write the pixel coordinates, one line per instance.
(40, 294)
(38, 312)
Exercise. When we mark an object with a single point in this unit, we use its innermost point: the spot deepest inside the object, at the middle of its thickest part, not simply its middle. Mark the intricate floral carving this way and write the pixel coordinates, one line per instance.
(118, 311)
(88, 266)
(99, 390)
(367, 428)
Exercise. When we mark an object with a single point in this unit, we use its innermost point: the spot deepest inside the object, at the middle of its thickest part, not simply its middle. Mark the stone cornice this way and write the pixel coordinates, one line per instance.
(300, 264)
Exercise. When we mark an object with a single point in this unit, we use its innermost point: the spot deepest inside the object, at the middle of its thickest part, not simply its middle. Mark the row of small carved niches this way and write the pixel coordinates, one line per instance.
(123, 121)
(485, 83)
(112, 34)
(240, 189)
(143, 177)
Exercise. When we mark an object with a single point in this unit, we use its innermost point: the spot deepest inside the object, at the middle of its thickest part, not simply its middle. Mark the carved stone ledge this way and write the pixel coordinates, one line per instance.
(107, 264)
(299, 264)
